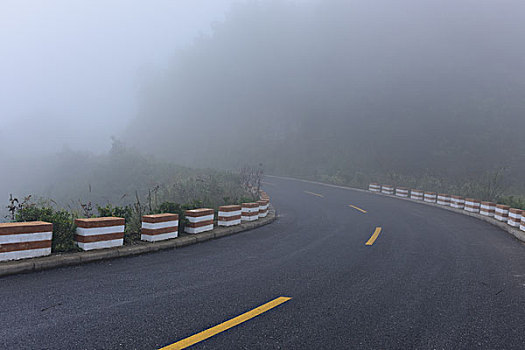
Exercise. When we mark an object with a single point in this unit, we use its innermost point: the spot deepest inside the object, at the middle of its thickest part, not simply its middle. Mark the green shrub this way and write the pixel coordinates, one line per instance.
(63, 224)
(246, 199)
(513, 202)
(125, 212)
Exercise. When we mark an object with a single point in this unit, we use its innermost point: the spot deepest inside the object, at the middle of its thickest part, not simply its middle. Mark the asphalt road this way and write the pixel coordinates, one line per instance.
(433, 279)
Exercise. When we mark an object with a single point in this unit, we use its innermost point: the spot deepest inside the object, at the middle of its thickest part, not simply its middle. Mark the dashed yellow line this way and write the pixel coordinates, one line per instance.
(314, 194)
(210, 332)
(361, 210)
(374, 236)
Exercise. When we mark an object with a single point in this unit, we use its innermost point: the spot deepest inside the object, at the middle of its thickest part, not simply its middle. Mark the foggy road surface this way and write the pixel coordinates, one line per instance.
(363, 272)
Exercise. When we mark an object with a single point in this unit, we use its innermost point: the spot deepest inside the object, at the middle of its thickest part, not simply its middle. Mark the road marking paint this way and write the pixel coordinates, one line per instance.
(314, 194)
(267, 183)
(210, 332)
(361, 210)
(374, 236)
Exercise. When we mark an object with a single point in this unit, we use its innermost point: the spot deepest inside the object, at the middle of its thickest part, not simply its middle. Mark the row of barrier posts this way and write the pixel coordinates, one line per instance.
(512, 216)
(21, 240)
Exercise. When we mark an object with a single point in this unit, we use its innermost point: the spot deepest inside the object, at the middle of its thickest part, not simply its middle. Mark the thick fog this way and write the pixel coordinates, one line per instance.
(344, 90)
(70, 69)
(349, 89)
(70, 72)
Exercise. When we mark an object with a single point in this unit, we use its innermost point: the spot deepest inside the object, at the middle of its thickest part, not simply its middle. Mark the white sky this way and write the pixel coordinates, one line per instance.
(69, 69)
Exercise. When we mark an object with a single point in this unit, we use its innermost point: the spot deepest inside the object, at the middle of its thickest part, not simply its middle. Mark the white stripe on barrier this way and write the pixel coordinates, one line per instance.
(194, 230)
(161, 237)
(26, 237)
(195, 219)
(227, 214)
(101, 244)
(24, 254)
(229, 223)
(159, 225)
(99, 230)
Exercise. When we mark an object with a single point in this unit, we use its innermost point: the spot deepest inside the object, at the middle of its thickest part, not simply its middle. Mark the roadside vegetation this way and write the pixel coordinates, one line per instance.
(131, 185)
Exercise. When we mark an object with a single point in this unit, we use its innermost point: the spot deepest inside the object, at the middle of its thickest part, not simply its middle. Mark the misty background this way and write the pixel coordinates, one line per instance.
(416, 93)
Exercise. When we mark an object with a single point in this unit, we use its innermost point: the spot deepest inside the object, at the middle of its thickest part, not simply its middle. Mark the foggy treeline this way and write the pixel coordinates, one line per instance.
(428, 94)
(351, 91)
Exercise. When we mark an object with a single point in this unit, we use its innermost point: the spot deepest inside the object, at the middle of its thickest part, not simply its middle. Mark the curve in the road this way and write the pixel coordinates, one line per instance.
(431, 279)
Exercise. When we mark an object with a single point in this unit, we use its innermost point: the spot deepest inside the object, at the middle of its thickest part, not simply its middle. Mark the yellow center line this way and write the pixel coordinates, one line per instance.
(267, 183)
(210, 332)
(314, 194)
(361, 210)
(374, 236)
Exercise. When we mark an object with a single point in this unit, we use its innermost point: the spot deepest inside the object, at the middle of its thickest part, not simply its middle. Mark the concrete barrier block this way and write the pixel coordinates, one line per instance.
(22, 240)
(402, 192)
(501, 213)
(159, 227)
(457, 202)
(229, 215)
(374, 187)
(416, 194)
(515, 217)
(387, 189)
(99, 233)
(199, 220)
(263, 208)
(472, 205)
(250, 211)
(487, 209)
(430, 197)
(443, 199)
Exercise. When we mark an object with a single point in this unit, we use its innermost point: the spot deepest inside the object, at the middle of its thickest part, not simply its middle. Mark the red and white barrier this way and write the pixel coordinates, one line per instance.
(502, 213)
(443, 199)
(430, 197)
(522, 225)
(487, 208)
(199, 220)
(250, 211)
(472, 205)
(21, 240)
(514, 217)
(374, 187)
(263, 208)
(229, 215)
(402, 192)
(159, 227)
(417, 195)
(457, 202)
(98, 233)
(387, 189)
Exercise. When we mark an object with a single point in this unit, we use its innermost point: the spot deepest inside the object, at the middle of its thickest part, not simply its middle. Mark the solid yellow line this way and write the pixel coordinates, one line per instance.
(361, 210)
(374, 236)
(196, 338)
(315, 194)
